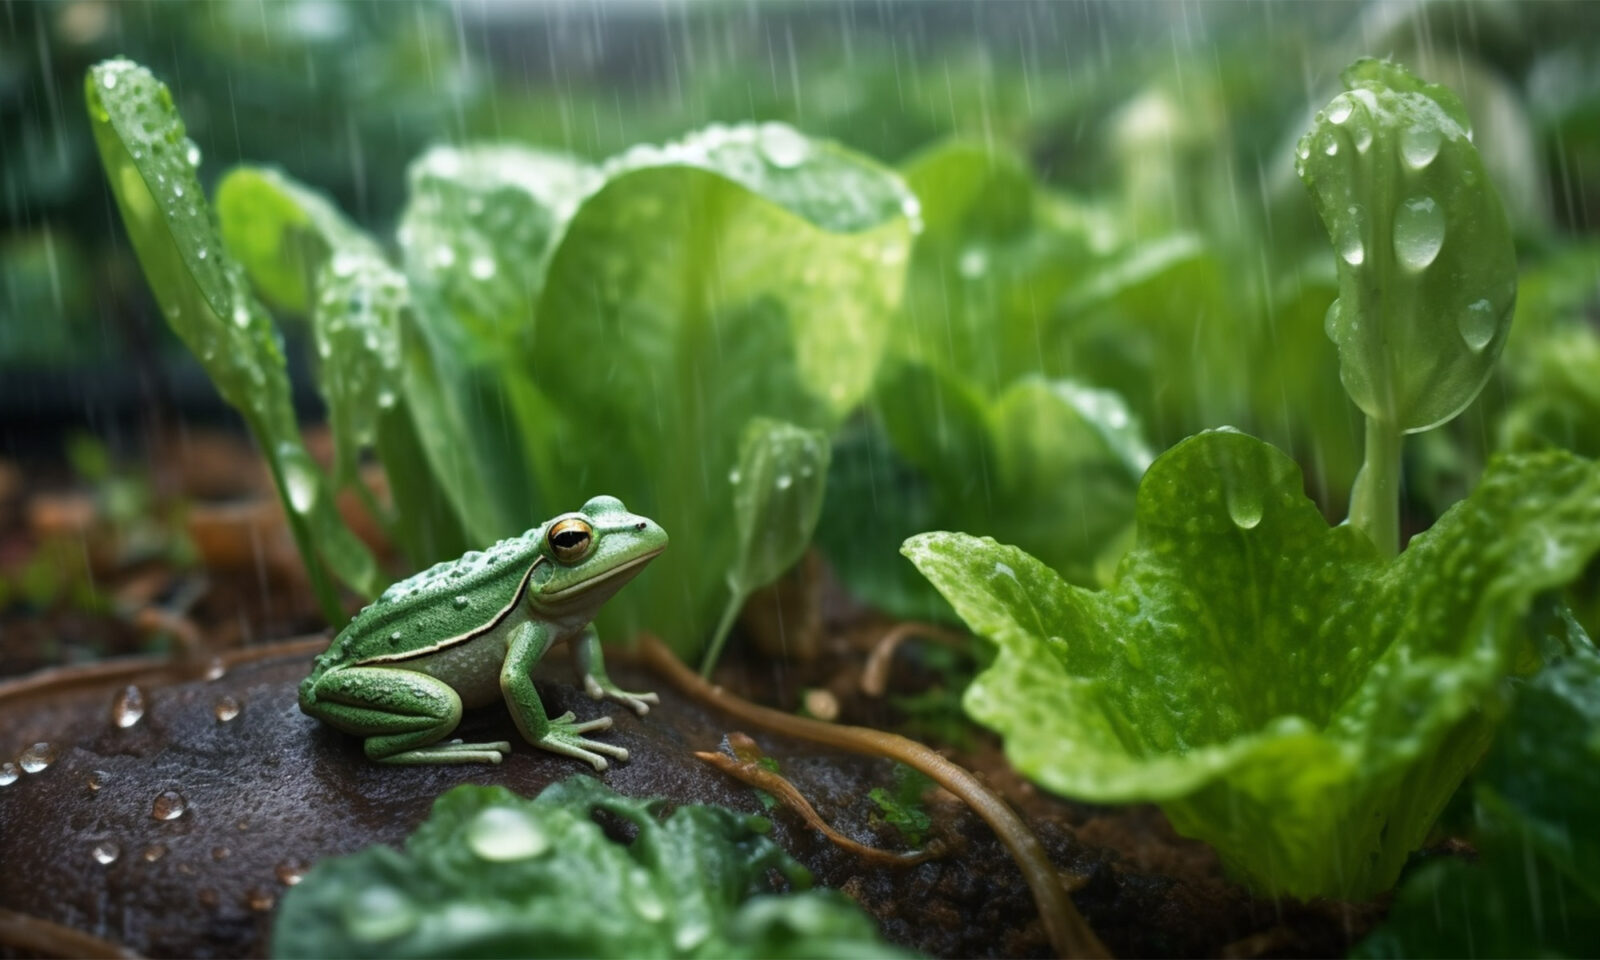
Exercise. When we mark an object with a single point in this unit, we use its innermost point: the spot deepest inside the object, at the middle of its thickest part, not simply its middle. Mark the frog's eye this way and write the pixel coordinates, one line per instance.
(569, 539)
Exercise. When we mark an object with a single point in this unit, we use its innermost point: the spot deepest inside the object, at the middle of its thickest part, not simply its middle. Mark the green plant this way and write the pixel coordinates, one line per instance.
(559, 329)
(1295, 694)
(491, 874)
(1532, 890)
(1427, 274)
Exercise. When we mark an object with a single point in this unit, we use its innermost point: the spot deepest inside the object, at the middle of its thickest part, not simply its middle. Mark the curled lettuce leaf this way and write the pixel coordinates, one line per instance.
(1283, 692)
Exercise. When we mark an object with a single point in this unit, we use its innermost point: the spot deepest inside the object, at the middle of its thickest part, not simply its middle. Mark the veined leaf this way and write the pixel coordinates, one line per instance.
(1283, 692)
(203, 293)
(493, 874)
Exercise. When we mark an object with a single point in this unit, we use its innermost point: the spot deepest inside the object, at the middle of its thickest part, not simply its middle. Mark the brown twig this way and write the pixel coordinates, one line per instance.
(1069, 935)
(33, 935)
(875, 675)
(779, 786)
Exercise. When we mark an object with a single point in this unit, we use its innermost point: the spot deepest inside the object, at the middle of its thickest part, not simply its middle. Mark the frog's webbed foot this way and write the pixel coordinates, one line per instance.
(599, 690)
(564, 736)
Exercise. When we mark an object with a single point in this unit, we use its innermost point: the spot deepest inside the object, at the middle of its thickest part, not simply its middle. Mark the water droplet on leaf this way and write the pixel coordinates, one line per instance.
(378, 914)
(1478, 324)
(502, 833)
(1339, 110)
(1418, 232)
(1419, 145)
(783, 146)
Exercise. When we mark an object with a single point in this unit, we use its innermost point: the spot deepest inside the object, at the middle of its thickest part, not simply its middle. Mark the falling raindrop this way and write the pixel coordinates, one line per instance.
(501, 833)
(226, 709)
(168, 805)
(107, 852)
(37, 757)
(1419, 145)
(1478, 324)
(1418, 232)
(127, 707)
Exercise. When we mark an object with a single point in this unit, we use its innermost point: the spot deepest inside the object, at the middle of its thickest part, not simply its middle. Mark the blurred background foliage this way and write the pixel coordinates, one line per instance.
(1107, 190)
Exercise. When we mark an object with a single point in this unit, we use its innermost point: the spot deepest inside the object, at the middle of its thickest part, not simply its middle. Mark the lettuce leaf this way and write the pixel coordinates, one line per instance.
(491, 874)
(1533, 889)
(1280, 690)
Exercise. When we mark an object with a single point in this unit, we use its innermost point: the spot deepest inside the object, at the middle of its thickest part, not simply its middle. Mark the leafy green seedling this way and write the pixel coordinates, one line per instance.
(902, 806)
(777, 497)
(204, 294)
(491, 874)
(1279, 687)
(1427, 273)
(1532, 890)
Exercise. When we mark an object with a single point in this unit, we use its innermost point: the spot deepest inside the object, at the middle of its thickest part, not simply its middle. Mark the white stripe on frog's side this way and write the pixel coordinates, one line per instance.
(470, 635)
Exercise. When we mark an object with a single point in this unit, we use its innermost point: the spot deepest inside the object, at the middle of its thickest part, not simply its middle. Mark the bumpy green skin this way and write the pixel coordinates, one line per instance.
(468, 632)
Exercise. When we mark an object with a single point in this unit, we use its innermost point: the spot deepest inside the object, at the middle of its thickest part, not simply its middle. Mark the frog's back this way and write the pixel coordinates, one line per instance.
(449, 599)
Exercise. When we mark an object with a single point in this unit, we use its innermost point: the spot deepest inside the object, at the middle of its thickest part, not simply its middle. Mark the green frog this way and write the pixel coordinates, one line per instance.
(468, 632)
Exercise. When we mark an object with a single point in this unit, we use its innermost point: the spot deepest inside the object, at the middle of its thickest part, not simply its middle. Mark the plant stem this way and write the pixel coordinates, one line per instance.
(1069, 935)
(724, 627)
(1375, 498)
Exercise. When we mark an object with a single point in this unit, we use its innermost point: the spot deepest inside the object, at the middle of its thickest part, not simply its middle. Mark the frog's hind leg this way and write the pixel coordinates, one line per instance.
(402, 714)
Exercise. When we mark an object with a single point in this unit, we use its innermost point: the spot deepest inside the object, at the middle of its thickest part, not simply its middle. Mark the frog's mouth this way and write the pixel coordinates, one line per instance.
(616, 571)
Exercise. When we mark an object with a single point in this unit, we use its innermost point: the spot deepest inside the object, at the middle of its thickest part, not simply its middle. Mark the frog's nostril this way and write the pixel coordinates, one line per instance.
(639, 525)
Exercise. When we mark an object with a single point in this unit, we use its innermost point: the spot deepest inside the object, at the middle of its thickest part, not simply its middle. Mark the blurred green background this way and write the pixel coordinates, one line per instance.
(1143, 184)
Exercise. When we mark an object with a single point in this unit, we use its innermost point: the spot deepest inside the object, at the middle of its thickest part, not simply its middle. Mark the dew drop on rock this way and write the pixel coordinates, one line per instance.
(207, 897)
(260, 900)
(500, 833)
(9, 773)
(220, 853)
(154, 852)
(290, 872)
(37, 757)
(1418, 232)
(226, 709)
(94, 781)
(107, 852)
(127, 707)
(168, 805)
(1478, 324)
(1419, 145)
(215, 670)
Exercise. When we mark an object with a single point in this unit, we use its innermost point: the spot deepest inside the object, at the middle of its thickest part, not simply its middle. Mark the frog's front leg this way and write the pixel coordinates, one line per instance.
(403, 715)
(590, 664)
(528, 643)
